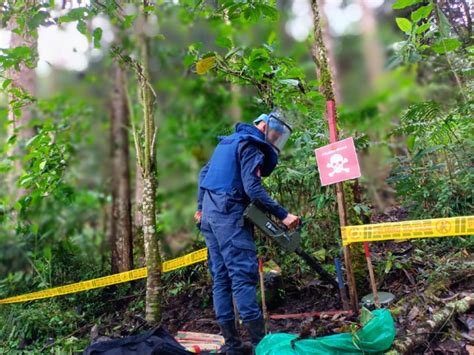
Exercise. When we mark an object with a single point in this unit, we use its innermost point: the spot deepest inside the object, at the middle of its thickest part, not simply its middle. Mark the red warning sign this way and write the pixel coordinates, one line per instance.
(337, 162)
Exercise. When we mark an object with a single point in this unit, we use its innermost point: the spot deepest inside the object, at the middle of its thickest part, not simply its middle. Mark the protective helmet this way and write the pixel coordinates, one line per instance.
(277, 131)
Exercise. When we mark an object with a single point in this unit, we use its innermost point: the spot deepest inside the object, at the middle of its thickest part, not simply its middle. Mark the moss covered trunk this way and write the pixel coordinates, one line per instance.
(152, 252)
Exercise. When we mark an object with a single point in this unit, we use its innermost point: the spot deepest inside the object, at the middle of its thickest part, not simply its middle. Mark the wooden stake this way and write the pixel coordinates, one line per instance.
(372, 275)
(262, 292)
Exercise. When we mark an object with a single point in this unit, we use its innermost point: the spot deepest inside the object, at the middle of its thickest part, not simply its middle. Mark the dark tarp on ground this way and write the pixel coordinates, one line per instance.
(157, 342)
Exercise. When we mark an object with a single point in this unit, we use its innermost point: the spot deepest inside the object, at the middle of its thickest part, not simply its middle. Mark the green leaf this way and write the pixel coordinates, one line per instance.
(421, 13)
(446, 45)
(128, 21)
(394, 61)
(47, 252)
(31, 140)
(424, 27)
(24, 181)
(404, 24)
(271, 38)
(365, 316)
(35, 228)
(82, 27)
(258, 58)
(224, 41)
(149, 8)
(11, 140)
(188, 60)
(37, 19)
(320, 254)
(97, 36)
(21, 52)
(42, 164)
(5, 167)
(411, 142)
(444, 25)
(78, 14)
(6, 83)
(270, 12)
(401, 4)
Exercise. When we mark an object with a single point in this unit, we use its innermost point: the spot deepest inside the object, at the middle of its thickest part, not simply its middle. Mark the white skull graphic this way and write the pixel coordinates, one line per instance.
(336, 162)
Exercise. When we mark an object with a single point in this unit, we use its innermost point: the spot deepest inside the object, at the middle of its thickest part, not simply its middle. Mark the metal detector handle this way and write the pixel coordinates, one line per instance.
(297, 229)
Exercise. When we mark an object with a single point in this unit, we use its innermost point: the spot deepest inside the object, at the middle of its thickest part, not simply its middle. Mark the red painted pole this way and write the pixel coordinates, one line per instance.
(262, 291)
(341, 205)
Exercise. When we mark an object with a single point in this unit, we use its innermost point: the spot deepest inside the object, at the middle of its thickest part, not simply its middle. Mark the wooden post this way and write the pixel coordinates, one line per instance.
(262, 292)
(371, 275)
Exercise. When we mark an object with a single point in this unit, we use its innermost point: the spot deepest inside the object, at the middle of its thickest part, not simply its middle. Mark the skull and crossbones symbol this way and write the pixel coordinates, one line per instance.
(336, 162)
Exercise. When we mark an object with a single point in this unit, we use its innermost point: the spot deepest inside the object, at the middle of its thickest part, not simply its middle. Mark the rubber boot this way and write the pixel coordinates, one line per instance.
(233, 344)
(256, 329)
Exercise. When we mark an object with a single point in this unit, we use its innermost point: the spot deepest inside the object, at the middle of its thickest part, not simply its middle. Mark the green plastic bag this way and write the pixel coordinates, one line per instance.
(376, 336)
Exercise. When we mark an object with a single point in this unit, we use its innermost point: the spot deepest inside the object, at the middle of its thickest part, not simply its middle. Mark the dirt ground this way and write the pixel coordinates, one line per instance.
(419, 294)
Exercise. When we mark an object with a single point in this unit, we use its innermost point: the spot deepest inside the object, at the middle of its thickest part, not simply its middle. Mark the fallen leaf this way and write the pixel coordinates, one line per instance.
(414, 312)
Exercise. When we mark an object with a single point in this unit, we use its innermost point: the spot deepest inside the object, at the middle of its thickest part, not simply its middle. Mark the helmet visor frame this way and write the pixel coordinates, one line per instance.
(277, 132)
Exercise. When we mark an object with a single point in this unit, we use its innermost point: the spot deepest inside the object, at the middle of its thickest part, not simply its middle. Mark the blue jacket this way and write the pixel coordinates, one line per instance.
(230, 177)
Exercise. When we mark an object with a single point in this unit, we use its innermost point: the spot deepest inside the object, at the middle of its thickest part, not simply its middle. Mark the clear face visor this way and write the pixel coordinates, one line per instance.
(277, 132)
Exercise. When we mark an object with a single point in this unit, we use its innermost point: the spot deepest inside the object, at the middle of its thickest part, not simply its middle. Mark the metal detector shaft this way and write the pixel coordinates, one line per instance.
(313, 263)
(288, 240)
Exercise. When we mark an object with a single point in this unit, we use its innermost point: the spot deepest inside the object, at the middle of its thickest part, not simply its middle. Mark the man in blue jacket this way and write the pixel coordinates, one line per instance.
(227, 184)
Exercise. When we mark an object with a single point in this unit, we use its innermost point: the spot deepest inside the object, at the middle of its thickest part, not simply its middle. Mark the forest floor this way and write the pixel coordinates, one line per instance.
(421, 285)
(414, 304)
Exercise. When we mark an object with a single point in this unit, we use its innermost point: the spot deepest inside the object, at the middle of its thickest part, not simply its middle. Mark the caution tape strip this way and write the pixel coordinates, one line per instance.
(170, 265)
(427, 228)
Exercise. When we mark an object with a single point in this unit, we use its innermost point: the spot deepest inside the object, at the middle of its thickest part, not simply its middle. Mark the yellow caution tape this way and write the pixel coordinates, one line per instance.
(427, 228)
(189, 259)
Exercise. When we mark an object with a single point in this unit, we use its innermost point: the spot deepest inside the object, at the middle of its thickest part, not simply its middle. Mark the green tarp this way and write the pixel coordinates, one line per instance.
(376, 336)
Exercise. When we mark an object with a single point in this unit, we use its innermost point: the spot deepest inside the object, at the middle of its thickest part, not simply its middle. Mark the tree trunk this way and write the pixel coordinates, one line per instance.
(329, 43)
(121, 226)
(137, 216)
(235, 110)
(152, 251)
(25, 80)
(146, 150)
(373, 51)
